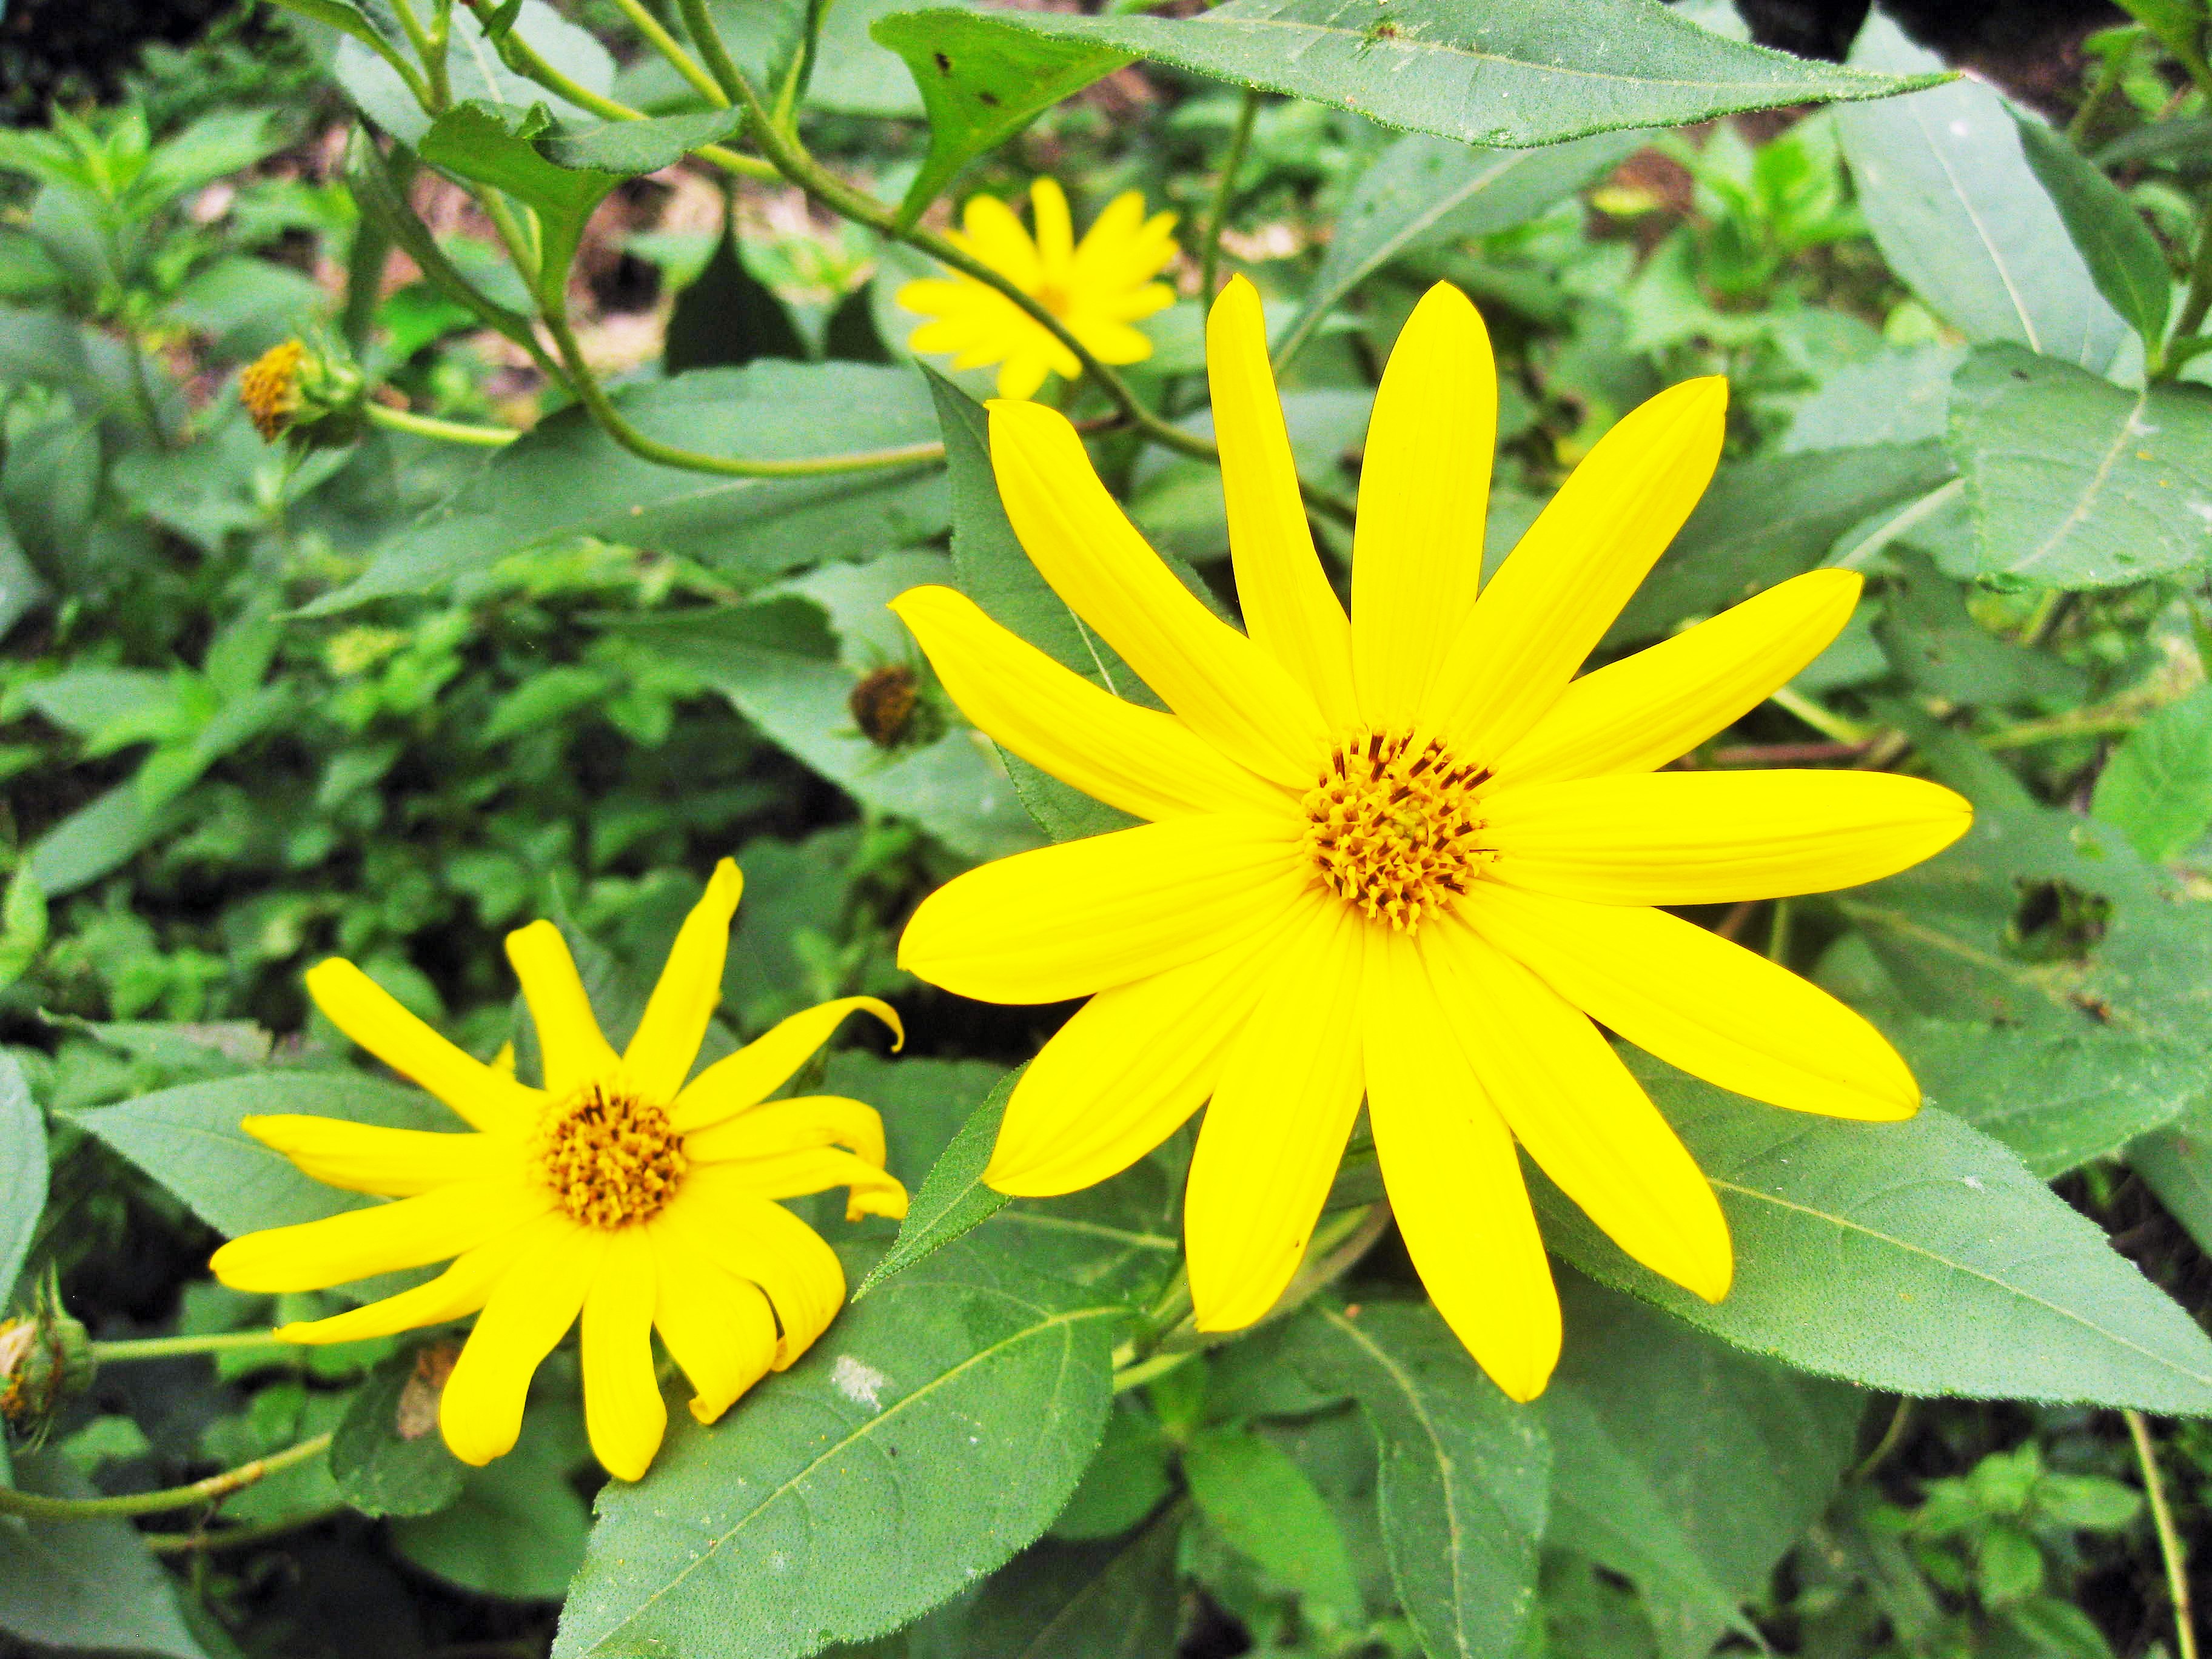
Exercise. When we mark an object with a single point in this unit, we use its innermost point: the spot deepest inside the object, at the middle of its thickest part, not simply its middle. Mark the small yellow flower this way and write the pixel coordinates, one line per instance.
(618, 1191)
(1097, 287)
(1405, 855)
(269, 389)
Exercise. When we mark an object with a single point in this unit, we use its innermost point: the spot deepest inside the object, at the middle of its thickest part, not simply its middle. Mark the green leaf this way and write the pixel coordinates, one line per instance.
(934, 1431)
(477, 71)
(2057, 1098)
(1132, 1472)
(22, 1171)
(1056, 1600)
(2157, 787)
(565, 479)
(1464, 1471)
(1962, 217)
(22, 925)
(382, 201)
(84, 1585)
(2124, 259)
(1933, 640)
(1510, 73)
(1267, 1508)
(2077, 483)
(2176, 1164)
(518, 1529)
(1920, 1257)
(1425, 190)
(492, 144)
(1763, 521)
(630, 148)
(188, 1138)
(388, 1456)
(952, 1199)
(98, 837)
(1683, 1465)
(980, 84)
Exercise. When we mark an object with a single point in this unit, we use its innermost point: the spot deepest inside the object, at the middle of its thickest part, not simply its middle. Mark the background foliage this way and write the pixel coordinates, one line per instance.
(390, 696)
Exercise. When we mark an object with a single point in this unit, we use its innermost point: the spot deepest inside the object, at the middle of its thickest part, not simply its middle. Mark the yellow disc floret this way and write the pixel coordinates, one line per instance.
(610, 1157)
(269, 389)
(1392, 828)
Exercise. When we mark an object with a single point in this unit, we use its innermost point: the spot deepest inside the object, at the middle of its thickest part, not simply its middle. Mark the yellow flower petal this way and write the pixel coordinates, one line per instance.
(453, 1294)
(1566, 581)
(1708, 837)
(569, 1041)
(1022, 373)
(1290, 611)
(667, 1039)
(1064, 922)
(382, 1238)
(715, 1216)
(792, 1126)
(365, 1157)
(1056, 232)
(1700, 1003)
(530, 1311)
(1275, 1131)
(1583, 1118)
(720, 1329)
(1136, 758)
(1229, 690)
(623, 1412)
(764, 1065)
(368, 1013)
(1130, 1067)
(1454, 1178)
(816, 1170)
(995, 234)
(1423, 490)
(1644, 710)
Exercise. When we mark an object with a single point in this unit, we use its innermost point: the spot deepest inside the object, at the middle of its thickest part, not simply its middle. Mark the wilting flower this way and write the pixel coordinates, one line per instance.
(314, 397)
(1405, 854)
(618, 1191)
(1097, 288)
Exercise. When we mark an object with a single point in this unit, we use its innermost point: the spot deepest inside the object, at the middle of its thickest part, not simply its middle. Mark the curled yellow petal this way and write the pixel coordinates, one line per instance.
(720, 1329)
(764, 1065)
(486, 1097)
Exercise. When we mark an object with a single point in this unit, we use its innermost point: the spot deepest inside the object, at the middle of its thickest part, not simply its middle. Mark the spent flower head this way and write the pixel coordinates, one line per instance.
(1097, 288)
(1405, 856)
(620, 1193)
(312, 395)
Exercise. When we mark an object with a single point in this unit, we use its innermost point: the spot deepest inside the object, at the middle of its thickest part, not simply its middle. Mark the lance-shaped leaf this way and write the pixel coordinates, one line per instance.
(981, 84)
(2124, 259)
(1464, 1471)
(953, 1200)
(22, 1170)
(1510, 73)
(1920, 1257)
(934, 1431)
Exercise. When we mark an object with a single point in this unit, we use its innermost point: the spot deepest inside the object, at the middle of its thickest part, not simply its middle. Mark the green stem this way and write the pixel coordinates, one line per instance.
(36, 1506)
(419, 38)
(429, 426)
(1777, 935)
(1822, 720)
(1889, 1443)
(169, 1347)
(656, 33)
(2170, 1546)
(198, 1543)
(2107, 83)
(2078, 723)
(612, 420)
(1209, 264)
(2198, 300)
(365, 263)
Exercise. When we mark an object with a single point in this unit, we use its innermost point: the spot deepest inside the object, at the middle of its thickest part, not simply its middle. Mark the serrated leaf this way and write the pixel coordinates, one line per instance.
(932, 1433)
(1267, 1508)
(2077, 483)
(980, 84)
(2157, 787)
(22, 1171)
(1507, 73)
(476, 69)
(1131, 1473)
(1920, 1257)
(496, 144)
(1056, 1601)
(1424, 191)
(1465, 1472)
(1683, 1465)
(1962, 219)
(953, 1200)
(630, 148)
(84, 1585)
(2123, 258)
(388, 1456)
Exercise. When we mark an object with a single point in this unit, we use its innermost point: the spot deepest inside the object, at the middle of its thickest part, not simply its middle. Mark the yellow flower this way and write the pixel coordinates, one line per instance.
(1097, 288)
(269, 389)
(618, 1191)
(1405, 854)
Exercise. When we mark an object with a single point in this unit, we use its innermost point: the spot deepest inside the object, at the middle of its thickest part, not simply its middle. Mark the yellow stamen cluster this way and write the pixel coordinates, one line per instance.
(610, 1157)
(1392, 828)
(269, 389)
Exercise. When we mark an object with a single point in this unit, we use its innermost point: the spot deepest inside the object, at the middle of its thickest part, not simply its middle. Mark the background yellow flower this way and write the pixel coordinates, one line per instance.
(1405, 856)
(618, 1192)
(1097, 287)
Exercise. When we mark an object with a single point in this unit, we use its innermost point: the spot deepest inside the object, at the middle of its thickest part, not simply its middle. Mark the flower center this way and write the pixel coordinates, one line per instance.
(1392, 829)
(1054, 297)
(610, 1157)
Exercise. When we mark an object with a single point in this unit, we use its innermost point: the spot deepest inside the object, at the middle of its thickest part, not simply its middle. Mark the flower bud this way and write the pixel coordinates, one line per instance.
(46, 1361)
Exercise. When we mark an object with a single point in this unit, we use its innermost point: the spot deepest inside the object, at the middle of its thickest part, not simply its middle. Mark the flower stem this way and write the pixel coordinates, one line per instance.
(1821, 719)
(36, 1506)
(668, 46)
(198, 1543)
(1209, 264)
(429, 426)
(2170, 1545)
(169, 1347)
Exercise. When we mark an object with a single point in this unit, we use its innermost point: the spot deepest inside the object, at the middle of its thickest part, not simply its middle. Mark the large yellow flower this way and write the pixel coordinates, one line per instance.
(618, 1192)
(1405, 854)
(1097, 288)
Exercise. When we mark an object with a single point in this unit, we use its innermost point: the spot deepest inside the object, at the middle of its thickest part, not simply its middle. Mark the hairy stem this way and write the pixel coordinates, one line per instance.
(429, 426)
(169, 1347)
(36, 1506)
